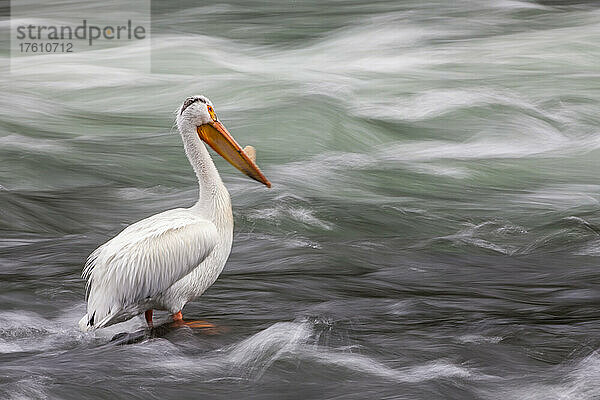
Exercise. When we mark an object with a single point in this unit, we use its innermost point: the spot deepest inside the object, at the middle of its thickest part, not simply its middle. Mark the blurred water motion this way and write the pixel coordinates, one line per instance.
(432, 231)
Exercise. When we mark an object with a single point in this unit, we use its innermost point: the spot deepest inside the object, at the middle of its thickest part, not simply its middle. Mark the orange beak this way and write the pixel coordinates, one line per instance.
(220, 140)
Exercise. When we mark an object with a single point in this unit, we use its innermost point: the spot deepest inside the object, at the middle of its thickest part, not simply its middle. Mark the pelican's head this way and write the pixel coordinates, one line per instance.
(198, 112)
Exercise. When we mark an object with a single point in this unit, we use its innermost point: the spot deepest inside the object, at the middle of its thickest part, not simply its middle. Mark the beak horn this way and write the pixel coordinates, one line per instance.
(220, 140)
(251, 153)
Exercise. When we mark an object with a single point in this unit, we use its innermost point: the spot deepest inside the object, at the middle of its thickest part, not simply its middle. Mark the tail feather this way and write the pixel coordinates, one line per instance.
(101, 310)
(88, 324)
(84, 324)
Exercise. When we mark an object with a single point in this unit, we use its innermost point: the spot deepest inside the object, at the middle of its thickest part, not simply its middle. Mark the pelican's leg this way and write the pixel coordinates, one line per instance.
(148, 315)
(178, 316)
(178, 321)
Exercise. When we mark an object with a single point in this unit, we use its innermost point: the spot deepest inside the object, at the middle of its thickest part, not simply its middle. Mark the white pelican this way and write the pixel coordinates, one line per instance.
(168, 259)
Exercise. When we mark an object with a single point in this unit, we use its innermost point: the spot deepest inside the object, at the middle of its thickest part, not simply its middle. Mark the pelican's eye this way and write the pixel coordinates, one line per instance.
(211, 112)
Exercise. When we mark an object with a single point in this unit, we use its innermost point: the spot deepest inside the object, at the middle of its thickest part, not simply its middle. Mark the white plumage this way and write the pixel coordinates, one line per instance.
(127, 273)
(168, 259)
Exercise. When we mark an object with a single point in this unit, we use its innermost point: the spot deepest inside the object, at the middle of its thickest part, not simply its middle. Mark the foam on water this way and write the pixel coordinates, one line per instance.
(296, 342)
(299, 214)
(581, 382)
(30, 332)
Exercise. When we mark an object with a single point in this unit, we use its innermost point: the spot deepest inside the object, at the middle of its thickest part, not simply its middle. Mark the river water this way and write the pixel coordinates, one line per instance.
(433, 230)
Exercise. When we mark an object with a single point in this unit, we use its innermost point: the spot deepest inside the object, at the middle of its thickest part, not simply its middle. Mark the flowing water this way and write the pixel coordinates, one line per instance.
(433, 230)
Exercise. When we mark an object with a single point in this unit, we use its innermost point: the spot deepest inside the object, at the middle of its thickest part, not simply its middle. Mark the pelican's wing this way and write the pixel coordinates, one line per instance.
(141, 262)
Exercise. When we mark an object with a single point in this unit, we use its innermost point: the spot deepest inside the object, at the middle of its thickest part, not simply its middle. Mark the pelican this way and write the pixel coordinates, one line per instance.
(164, 261)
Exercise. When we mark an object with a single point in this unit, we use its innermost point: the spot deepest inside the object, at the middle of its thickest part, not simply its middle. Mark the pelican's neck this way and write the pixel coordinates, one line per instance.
(211, 188)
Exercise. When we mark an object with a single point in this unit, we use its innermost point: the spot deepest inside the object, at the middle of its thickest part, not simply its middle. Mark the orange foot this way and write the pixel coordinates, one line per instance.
(206, 326)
